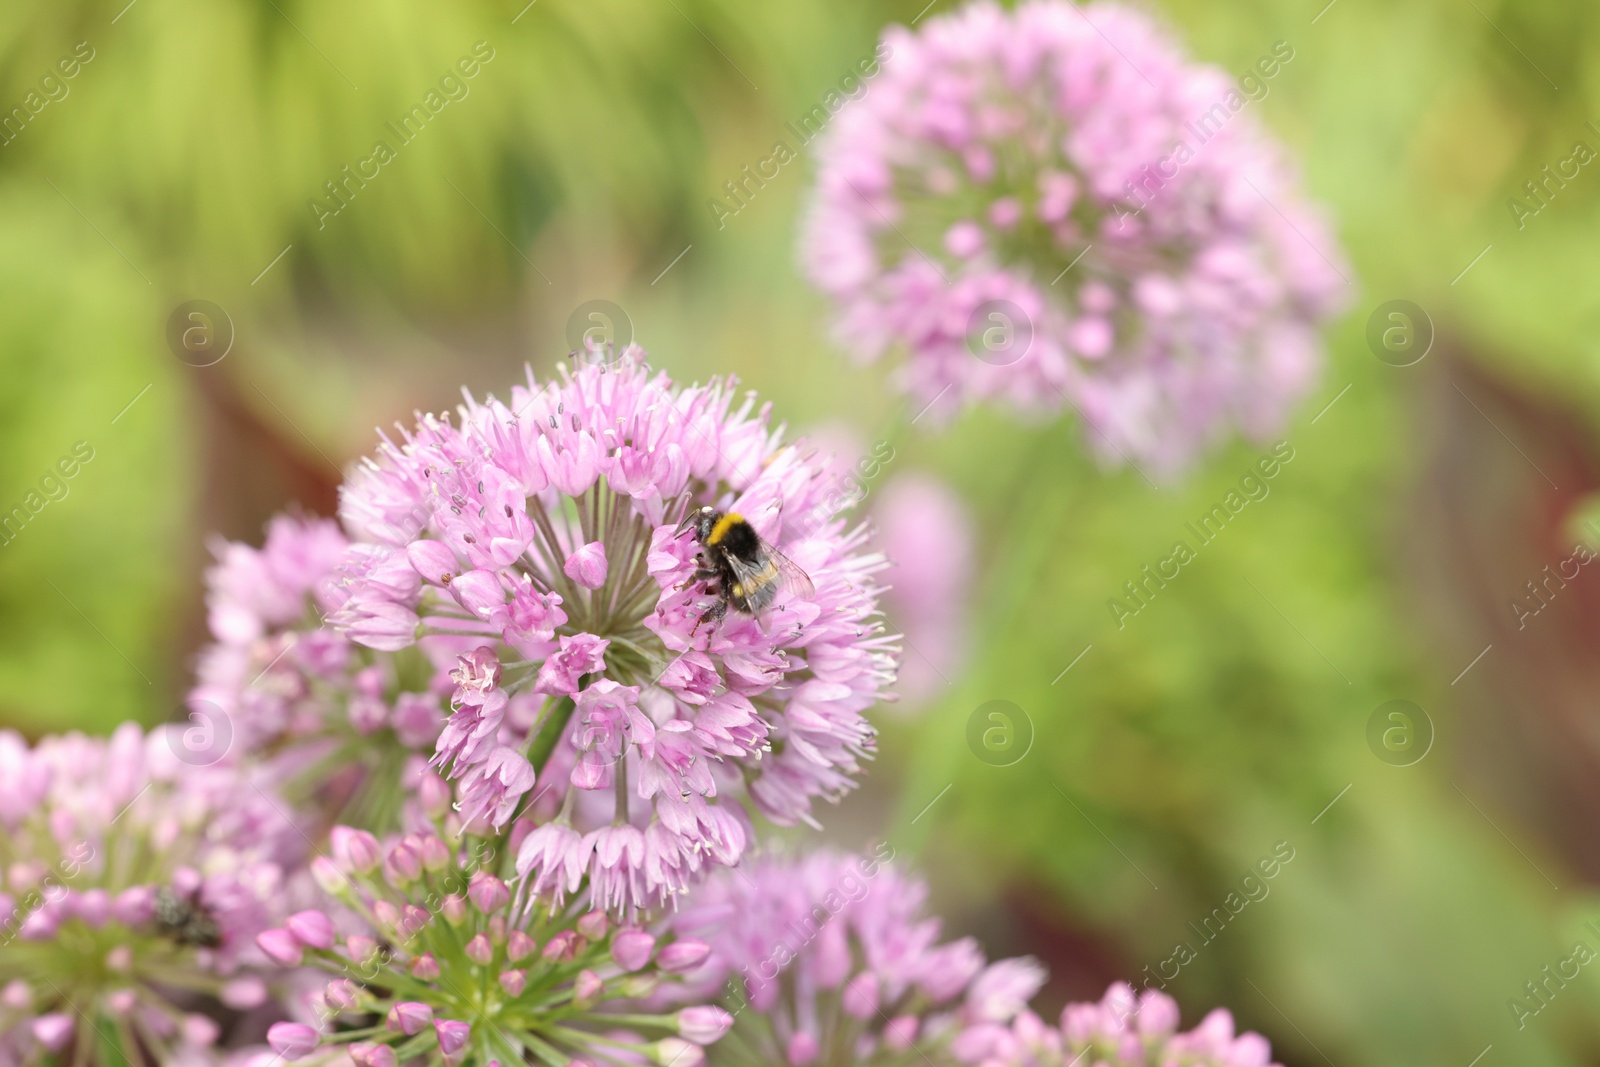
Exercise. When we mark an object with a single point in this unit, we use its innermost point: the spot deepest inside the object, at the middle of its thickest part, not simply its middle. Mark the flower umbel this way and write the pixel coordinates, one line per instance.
(530, 548)
(331, 717)
(432, 958)
(830, 961)
(1053, 206)
(134, 885)
(1122, 1030)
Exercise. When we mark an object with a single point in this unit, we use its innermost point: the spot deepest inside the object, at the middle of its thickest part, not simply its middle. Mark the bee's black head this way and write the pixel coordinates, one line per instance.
(701, 521)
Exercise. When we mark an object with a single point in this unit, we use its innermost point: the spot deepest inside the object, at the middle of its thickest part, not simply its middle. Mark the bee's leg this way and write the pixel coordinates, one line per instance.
(715, 613)
(701, 574)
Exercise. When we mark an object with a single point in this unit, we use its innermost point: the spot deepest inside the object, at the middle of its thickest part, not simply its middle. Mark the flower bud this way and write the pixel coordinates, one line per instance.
(409, 1017)
(480, 951)
(433, 560)
(362, 949)
(632, 948)
(199, 1031)
(488, 892)
(434, 794)
(387, 914)
(454, 909)
(281, 947)
(341, 994)
(329, 877)
(704, 1023)
(134, 907)
(802, 1050)
(563, 946)
(245, 992)
(312, 929)
(292, 1041)
(412, 920)
(53, 1031)
(587, 566)
(425, 967)
(676, 1052)
(367, 1054)
(92, 907)
(683, 955)
(586, 988)
(638, 986)
(403, 865)
(435, 857)
(520, 946)
(860, 998)
(356, 851)
(453, 1037)
(513, 982)
(900, 1032)
(593, 925)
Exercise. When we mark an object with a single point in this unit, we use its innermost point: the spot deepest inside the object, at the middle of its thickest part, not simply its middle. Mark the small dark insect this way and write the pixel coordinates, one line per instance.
(185, 921)
(740, 568)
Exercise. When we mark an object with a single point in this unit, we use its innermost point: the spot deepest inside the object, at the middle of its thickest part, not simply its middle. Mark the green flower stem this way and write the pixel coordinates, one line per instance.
(544, 742)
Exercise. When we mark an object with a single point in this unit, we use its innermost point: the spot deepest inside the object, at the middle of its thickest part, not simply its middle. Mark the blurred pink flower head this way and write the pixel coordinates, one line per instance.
(926, 534)
(788, 935)
(135, 878)
(1123, 1030)
(1055, 208)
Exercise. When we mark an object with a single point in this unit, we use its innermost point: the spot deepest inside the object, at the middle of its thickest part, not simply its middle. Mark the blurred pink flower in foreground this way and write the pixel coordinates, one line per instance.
(135, 873)
(1122, 1030)
(1053, 207)
(834, 952)
(926, 533)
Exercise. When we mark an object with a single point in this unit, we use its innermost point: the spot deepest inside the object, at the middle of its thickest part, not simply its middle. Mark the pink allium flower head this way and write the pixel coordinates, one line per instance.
(590, 692)
(792, 934)
(1055, 208)
(577, 1000)
(1122, 1030)
(279, 685)
(927, 535)
(135, 880)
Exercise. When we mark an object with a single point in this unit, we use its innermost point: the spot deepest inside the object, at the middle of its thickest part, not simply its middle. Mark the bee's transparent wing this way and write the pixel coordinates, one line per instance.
(761, 582)
(791, 579)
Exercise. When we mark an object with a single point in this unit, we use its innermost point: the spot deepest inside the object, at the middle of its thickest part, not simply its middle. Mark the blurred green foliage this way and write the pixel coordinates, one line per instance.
(1219, 720)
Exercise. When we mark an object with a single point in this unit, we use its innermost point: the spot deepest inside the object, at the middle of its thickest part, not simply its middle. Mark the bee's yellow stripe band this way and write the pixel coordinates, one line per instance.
(723, 525)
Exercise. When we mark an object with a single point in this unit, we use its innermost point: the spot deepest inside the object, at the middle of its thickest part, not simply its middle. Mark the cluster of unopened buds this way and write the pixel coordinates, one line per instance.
(432, 957)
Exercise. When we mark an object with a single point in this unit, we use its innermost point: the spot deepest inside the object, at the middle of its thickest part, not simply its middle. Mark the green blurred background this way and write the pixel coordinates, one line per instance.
(178, 163)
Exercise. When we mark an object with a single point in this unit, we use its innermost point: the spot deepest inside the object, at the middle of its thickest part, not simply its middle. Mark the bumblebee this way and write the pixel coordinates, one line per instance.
(185, 921)
(740, 568)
